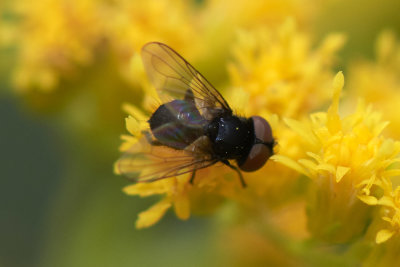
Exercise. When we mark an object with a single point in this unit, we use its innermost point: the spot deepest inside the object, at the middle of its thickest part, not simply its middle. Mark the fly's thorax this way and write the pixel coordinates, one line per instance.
(231, 136)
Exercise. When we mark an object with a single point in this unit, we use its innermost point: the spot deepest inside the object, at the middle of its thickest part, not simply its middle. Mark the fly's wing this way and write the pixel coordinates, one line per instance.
(175, 78)
(147, 161)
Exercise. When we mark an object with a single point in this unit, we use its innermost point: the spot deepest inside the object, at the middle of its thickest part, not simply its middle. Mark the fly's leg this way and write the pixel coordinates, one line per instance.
(226, 162)
(192, 178)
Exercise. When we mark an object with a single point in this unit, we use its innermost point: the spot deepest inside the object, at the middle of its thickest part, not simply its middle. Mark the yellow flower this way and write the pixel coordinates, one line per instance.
(346, 158)
(278, 71)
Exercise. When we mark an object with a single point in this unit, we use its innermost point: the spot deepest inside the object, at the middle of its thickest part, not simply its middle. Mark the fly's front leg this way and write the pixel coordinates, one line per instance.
(226, 162)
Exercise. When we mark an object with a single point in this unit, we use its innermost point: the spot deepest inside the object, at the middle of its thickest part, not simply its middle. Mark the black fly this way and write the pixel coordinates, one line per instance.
(194, 128)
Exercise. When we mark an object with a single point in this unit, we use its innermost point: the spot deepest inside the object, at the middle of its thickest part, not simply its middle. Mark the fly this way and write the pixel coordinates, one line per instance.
(194, 128)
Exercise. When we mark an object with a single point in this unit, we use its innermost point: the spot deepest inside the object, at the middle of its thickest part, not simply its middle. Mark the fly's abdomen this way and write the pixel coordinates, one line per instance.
(177, 124)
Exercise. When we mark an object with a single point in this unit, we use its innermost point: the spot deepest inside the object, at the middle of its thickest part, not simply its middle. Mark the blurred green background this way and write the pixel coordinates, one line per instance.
(63, 206)
(61, 203)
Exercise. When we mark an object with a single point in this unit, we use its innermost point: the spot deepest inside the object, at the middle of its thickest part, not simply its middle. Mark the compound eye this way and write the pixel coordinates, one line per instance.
(259, 153)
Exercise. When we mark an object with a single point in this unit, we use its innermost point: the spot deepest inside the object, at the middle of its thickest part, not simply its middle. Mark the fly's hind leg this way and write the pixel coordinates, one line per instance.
(226, 162)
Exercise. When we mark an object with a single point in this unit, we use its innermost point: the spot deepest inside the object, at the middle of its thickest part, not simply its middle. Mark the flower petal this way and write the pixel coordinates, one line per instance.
(146, 189)
(290, 163)
(154, 214)
(334, 123)
(370, 200)
(340, 172)
(383, 236)
(182, 206)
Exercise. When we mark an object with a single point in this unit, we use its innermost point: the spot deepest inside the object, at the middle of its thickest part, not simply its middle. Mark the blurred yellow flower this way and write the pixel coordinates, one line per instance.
(221, 20)
(131, 24)
(56, 38)
(378, 81)
(278, 71)
(221, 13)
(53, 38)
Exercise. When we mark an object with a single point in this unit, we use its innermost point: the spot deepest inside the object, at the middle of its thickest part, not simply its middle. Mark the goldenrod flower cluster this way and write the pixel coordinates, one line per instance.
(56, 38)
(332, 188)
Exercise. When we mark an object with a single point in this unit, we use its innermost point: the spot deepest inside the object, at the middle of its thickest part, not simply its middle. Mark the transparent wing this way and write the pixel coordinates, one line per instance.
(175, 78)
(147, 161)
